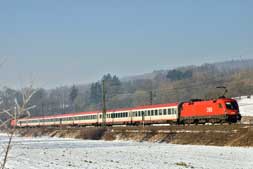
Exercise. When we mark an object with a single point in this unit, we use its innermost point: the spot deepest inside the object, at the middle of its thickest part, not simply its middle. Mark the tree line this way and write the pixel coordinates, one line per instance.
(175, 85)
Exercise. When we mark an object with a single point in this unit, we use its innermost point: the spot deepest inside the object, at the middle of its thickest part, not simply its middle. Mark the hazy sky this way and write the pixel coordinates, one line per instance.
(58, 42)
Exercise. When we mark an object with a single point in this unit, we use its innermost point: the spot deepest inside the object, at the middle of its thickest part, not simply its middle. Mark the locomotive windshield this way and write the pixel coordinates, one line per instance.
(232, 105)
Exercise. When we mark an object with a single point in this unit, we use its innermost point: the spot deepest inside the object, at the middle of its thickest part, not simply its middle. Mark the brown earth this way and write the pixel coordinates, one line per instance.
(216, 135)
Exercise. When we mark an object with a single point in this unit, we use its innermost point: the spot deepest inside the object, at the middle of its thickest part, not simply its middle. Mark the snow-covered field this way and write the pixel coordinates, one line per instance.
(55, 153)
(246, 105)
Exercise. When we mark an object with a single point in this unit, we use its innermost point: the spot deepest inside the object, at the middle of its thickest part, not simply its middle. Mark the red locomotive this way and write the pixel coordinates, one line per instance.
(213, 111)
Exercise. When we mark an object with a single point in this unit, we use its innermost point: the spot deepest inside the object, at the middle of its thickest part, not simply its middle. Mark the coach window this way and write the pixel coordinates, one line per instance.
(169, 111)
(164, 111)
(160, 112)
(156, 112)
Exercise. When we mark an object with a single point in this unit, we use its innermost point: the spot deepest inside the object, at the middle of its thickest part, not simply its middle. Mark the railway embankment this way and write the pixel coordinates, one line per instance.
(217, 135)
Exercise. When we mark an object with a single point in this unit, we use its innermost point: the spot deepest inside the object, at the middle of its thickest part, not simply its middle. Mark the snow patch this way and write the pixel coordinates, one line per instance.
(56, 153)
(245, 105)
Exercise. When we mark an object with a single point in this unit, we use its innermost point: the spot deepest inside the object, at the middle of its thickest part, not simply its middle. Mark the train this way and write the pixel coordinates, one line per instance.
(221, 110)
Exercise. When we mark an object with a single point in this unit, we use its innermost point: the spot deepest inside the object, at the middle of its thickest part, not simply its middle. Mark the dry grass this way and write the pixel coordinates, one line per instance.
(234, 135)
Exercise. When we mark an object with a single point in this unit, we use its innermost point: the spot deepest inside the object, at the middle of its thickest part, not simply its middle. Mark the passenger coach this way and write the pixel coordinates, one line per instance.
(162, 113)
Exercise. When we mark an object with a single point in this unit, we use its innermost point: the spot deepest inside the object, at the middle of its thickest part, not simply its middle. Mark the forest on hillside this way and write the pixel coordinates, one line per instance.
(180, 84)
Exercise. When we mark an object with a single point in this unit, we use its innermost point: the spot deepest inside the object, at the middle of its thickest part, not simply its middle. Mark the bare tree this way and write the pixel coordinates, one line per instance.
(20, 109)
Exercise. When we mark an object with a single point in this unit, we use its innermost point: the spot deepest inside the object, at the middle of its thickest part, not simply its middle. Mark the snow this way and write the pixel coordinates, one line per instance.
(245, 105)
(56, 153)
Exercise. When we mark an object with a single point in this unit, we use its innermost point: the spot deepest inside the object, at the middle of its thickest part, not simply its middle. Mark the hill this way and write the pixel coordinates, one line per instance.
(160, 86)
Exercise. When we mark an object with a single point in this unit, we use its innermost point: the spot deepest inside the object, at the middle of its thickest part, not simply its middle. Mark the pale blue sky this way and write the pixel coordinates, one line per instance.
(59, 42)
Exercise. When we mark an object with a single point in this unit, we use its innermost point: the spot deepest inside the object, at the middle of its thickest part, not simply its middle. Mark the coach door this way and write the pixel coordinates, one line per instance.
(143, 117)
(131, 116)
